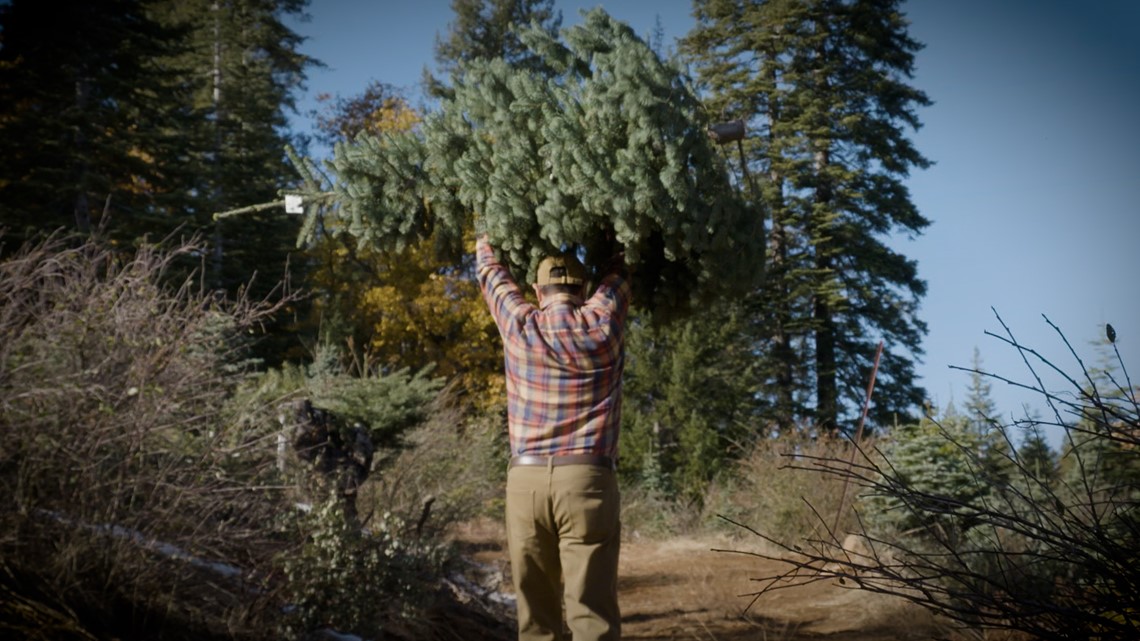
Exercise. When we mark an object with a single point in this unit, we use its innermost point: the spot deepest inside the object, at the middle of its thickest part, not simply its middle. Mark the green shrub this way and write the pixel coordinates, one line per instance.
(683, 419)
(355, 582)
(941, 461)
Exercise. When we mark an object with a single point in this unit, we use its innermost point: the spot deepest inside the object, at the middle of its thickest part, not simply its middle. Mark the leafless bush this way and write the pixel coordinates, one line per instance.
(126, 492)
(1049, 558)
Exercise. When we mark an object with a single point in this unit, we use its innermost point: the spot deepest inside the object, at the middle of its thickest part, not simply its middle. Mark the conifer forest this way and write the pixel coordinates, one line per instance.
(224, 421)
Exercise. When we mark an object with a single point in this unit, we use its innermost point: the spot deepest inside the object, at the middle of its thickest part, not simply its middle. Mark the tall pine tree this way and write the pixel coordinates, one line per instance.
(981, 410)
(243, 67)
(1037, 459)
(488, 29)
(824, 82)
(997, 455)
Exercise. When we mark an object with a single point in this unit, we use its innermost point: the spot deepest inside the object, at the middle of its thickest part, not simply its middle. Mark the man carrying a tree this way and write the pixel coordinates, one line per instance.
(564, 361)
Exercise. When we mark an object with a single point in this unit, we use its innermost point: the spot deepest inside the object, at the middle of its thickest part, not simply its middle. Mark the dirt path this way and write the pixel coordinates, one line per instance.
(681, 590)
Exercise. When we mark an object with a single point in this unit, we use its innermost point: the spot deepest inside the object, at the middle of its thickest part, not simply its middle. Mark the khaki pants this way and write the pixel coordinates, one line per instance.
(564, 534)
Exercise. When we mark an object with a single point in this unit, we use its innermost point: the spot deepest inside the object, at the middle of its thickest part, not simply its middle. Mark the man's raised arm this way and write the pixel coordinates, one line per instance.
(500, 291)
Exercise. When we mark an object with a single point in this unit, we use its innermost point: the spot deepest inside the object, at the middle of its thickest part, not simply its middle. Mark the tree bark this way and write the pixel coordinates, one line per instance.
(218, 252)
(782, 352)
(81, 207)
(826, 389)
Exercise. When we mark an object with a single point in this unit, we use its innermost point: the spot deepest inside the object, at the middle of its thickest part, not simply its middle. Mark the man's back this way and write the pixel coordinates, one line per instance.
(563, 363)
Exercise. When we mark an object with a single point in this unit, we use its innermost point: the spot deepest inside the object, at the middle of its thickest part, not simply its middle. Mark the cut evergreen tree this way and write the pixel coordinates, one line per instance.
(606, 149)
(406, 309)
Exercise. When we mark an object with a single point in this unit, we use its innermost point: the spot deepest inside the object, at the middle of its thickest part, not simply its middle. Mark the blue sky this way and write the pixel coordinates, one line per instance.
(1034, 197)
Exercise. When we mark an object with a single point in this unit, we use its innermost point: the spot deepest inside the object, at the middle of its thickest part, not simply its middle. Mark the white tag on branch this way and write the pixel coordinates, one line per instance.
(294, 204)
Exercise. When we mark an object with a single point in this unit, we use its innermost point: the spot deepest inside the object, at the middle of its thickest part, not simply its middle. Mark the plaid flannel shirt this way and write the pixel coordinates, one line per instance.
(563, 362)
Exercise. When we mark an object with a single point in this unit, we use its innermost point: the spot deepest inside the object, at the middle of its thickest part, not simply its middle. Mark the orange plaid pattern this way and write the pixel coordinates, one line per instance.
(564, 362)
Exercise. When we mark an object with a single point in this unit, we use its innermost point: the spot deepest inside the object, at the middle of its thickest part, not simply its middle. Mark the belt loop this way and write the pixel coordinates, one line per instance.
(550, 465)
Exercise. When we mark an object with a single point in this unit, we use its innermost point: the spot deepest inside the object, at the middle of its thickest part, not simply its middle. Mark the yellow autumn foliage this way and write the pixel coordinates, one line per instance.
(408, 310)
(393, 115)
(433, 314)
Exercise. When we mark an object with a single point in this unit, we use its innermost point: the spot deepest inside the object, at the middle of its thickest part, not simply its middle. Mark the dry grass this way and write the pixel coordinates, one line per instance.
(774, 490)
(771, 488)
(452, 470)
